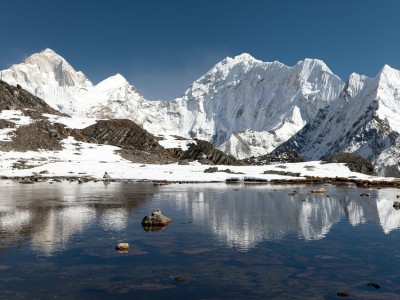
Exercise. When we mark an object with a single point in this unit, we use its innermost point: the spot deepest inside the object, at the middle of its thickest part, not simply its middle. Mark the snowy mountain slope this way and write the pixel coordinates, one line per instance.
(242, 93)
(259, 104)
(49, 76)
(363, 120)
(247, 107)
(44, 69)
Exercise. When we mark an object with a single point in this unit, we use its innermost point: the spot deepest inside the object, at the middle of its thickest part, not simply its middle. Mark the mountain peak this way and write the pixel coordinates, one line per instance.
(48, 51)
(310, 63)
(311, 69)
(46, 55)
(243, 57)
(111, 82)
(388, 77)
(388, 71)
(51, 68)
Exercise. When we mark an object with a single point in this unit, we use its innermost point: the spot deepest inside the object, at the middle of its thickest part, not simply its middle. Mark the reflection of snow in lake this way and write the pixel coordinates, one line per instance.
(115, 219)
(243, 220)
(59, 226)
(389, 217)
(240, 218)
(15, 220)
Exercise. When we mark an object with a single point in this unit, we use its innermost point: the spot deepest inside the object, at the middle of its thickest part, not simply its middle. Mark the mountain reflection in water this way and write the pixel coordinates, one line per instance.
(49, 216)
(244, 218)
(241, 218)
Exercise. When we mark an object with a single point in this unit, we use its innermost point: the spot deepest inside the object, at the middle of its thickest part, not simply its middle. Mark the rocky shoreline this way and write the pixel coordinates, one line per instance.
(247, 180)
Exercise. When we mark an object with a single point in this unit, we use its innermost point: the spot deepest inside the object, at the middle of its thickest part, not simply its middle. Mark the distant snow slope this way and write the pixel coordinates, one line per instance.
(244, 106)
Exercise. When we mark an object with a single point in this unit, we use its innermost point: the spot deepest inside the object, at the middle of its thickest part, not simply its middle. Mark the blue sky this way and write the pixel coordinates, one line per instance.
(162, 46)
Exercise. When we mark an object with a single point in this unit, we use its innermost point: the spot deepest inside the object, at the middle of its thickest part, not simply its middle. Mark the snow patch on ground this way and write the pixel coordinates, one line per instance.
(15, 116)
(81, 159)
(73, 123)
(171, 142)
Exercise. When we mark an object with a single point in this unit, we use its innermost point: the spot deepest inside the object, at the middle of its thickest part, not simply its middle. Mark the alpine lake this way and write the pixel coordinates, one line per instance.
(226, 241)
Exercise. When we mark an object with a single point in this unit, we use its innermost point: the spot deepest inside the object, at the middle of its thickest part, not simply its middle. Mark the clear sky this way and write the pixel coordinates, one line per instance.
(162, 46)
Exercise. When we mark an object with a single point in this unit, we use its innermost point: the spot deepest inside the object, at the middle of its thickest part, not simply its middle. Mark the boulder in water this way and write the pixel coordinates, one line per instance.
(156, 219)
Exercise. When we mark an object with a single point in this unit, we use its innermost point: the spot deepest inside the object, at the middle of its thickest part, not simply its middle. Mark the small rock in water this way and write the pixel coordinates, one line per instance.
(156, 219)
(180, 278)
(343, 294)
(320, 191)
(375, 285)
(365, 194)
(122, 247)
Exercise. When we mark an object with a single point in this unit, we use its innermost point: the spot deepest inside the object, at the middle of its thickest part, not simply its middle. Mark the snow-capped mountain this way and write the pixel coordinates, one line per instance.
(247, 107)
(49, 76)
(44, 69)
(242, 105)
(363, 120)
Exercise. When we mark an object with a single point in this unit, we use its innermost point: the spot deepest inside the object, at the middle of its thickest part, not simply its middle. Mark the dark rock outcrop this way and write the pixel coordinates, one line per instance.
(17, 98)
(137, 144)
(355, 163)
(205, 153)
(40, 134)
(121, 133)
(274, 157)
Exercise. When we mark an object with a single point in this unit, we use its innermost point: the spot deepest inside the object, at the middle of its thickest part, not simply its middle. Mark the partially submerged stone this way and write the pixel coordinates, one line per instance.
(343, 294)
(122, 247)
(318, 191)
(106, 176)
(374, 285)
(180, 278)
(156, 219)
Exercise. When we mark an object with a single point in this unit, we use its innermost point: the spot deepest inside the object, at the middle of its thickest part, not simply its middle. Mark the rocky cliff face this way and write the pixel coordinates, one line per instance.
(14, 97)
(205, 153)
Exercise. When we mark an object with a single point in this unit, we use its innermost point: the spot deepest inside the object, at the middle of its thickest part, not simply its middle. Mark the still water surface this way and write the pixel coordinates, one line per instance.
(57, 241)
